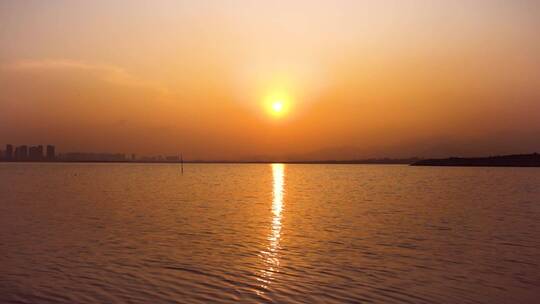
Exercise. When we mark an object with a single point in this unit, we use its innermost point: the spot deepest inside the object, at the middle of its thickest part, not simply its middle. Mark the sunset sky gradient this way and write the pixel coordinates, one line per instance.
(360, 78)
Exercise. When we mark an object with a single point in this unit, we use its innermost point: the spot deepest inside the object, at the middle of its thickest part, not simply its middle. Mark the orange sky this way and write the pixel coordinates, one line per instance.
(360, 78)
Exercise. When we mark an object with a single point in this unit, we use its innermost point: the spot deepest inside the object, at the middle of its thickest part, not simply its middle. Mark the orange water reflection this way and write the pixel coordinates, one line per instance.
(270, 254)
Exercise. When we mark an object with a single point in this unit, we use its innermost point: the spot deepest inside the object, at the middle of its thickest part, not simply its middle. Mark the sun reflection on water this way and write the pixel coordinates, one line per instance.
(270, 254)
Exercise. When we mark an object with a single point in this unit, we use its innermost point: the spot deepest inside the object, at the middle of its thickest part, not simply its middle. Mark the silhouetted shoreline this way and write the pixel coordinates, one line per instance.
(322, 162)
(517, 160)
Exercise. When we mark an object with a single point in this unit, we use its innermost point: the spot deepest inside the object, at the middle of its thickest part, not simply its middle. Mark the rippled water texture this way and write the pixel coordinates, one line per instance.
(135, 233)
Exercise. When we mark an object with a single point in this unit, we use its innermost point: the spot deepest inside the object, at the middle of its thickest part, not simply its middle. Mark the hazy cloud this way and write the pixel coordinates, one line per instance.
(109, 73)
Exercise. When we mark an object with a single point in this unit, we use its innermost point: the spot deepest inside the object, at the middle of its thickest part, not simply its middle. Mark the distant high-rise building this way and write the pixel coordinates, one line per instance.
(23, 152)
(40, 152)
(9, 152)
(32, 152)
(35, 153)
(51, 153)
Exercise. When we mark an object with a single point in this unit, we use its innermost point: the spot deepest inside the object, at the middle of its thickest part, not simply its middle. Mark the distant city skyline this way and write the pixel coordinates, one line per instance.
(37, 153)
(28, 152)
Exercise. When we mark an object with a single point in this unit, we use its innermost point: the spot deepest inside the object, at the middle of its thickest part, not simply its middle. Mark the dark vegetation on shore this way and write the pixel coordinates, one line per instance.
(517, 160)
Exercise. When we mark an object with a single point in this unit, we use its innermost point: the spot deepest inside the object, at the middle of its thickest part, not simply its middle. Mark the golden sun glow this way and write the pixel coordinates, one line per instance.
(277, 105)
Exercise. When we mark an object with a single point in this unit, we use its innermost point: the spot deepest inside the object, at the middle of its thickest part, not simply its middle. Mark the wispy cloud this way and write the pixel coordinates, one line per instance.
(109, 73)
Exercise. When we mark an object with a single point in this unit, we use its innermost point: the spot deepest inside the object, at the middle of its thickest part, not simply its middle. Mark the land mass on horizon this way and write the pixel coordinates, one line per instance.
(26, 153)
(516, 160)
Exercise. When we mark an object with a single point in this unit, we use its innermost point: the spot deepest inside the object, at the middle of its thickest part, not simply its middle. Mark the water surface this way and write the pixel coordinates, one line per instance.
(144, 233)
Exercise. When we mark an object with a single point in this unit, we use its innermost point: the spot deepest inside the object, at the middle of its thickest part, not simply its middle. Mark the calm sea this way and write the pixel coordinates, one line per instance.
(144, 233)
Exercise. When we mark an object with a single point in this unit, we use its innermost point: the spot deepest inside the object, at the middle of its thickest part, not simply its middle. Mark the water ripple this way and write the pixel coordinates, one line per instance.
(268, 234)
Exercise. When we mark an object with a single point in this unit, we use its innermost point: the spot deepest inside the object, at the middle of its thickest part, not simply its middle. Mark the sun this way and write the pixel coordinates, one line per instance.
(277, 105)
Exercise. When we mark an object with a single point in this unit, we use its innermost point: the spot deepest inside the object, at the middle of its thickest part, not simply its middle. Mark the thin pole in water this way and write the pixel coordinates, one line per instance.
(181, 163)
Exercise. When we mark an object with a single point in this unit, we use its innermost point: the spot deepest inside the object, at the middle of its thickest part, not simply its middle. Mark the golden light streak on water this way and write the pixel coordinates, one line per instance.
(271, 252)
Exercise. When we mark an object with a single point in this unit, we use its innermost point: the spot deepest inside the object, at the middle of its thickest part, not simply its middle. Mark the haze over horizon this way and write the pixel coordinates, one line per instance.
(353, 79)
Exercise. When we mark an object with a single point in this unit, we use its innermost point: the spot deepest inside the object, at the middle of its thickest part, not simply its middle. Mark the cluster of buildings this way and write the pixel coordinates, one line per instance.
(48, 153)
(28, 153)
(92, 157)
